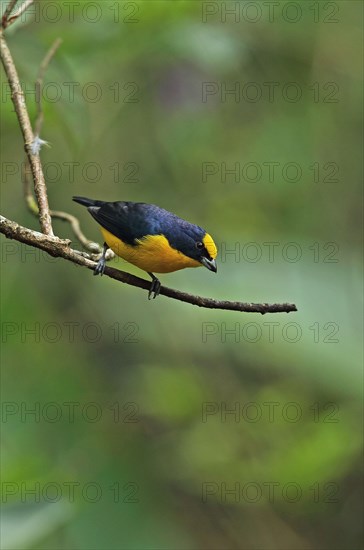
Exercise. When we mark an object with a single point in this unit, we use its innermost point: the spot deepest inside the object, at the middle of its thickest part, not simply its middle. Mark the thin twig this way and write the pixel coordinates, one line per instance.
(60, 248)
(91, 246)
(29, 199)
(17, 96)
(39, 84)
(19, 12)
(7, 12)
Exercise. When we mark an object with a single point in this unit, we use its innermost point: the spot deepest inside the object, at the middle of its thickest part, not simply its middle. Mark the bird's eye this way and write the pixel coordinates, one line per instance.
(199, 245)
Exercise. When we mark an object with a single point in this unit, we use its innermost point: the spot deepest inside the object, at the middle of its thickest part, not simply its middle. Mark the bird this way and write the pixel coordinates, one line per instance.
(150, 238)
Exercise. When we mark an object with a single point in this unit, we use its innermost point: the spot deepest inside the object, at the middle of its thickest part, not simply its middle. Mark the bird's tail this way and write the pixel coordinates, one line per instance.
(87, 202)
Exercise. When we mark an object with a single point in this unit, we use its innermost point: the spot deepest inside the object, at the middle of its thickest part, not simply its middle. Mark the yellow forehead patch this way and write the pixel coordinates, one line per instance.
(210, 245)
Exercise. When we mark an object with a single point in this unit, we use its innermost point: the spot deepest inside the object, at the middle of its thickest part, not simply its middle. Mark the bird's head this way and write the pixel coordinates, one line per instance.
(199, 245)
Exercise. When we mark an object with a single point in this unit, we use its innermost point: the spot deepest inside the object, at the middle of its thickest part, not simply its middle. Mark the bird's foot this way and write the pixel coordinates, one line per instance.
(101, 264)
(155, 287)
(100, 267)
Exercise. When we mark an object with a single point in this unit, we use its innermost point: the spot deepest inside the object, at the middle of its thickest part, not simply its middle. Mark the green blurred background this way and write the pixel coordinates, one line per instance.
(154, 458)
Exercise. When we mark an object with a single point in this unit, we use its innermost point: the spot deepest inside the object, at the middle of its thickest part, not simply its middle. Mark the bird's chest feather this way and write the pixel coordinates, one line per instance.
(153, 253)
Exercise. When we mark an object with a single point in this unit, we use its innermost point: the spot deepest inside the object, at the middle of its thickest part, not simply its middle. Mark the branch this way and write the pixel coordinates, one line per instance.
(60, 248)
(6, 22)
(32, 206)
(7, 12)
(91, 246)
(17, 96)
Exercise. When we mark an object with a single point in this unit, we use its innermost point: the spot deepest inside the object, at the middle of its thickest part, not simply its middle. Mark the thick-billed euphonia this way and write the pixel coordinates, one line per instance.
(151, 238)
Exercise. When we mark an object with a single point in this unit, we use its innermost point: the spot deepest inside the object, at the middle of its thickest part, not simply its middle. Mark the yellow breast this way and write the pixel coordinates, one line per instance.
(153, 253)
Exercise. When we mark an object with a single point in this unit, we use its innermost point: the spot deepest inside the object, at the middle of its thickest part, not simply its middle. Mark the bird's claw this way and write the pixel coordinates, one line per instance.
(101, 264)
(100, 267)
(155, 288)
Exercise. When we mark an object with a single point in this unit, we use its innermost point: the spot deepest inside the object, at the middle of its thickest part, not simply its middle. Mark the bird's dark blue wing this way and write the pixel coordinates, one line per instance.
(129, 220)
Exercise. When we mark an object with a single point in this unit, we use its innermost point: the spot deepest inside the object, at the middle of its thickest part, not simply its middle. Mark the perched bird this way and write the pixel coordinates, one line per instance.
(151, 238)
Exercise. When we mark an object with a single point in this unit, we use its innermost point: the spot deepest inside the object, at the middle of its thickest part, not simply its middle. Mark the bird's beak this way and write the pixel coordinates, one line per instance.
(210, 264)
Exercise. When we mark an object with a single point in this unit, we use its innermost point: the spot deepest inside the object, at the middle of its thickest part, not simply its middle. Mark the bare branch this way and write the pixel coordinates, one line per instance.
(19, 12)
(93, 247)
(17, 96)
(60, 248)
(7, 12)
(32, 206)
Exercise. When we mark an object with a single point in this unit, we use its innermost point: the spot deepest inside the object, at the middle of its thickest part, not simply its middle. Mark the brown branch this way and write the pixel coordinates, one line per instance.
(18, 13)
(7, 12)
(60, 248)
(91, 246)
(17, 96)
(28, 196)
